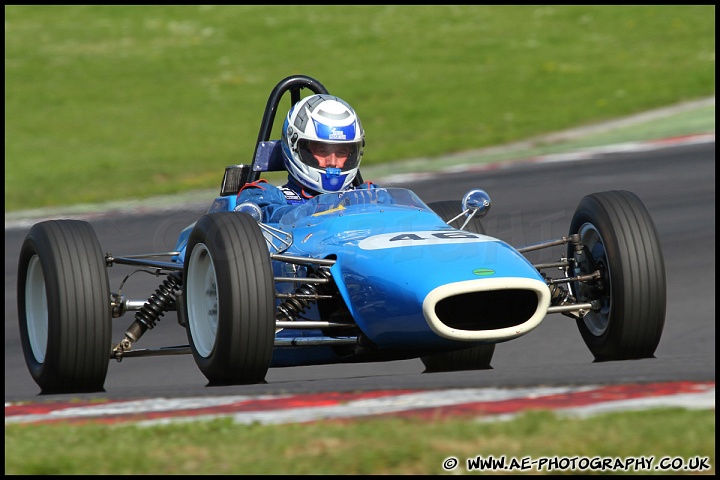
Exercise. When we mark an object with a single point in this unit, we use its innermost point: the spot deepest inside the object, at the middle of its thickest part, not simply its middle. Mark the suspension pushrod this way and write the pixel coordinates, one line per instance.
(551, 243)
(302, 279)
(308, 324)
(570, 308)
(310, 341)
(579, 278)
(301, 296)
(110, 260)
(540, 266)
(302, 260)
(150, 255)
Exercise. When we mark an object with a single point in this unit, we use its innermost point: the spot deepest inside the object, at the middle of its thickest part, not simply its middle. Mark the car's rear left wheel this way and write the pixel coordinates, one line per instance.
(64, 307)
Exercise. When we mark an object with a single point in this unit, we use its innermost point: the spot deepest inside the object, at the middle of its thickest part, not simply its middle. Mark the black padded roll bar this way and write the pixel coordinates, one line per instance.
(294, 84)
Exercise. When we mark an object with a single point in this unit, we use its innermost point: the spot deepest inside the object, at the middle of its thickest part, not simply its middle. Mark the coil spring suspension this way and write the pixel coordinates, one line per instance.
(290, 308)
(560, 295)
(159, 302)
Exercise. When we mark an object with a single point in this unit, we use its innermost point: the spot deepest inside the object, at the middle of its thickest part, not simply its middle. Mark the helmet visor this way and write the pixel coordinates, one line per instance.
(344, 156)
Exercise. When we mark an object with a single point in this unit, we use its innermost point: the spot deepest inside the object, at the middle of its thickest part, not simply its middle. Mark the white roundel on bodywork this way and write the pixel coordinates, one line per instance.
(424, 238)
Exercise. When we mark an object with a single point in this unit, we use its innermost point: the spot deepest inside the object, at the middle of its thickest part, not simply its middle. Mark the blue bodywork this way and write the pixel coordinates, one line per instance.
(390, 251)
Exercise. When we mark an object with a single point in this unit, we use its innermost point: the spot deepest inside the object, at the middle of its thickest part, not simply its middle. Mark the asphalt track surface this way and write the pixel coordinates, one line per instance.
(532, 201)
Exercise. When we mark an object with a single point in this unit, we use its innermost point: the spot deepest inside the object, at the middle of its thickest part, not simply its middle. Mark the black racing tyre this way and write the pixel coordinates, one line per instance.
(229, 299)
(64, 310)
(620, 240)
(473, 358)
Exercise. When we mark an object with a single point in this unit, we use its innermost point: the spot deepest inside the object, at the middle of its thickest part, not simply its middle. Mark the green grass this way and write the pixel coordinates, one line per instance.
(366, 446)
(119, 102)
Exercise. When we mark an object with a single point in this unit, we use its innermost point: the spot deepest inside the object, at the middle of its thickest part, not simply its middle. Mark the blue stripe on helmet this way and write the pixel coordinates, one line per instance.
(326, 132)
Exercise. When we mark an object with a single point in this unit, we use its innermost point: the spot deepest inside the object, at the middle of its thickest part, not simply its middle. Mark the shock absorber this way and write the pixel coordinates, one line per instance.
(303, 297)
(145, 318)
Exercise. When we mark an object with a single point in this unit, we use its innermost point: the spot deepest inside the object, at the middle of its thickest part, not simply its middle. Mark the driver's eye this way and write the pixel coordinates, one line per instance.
(321, 149)
(342, 150)
(324, 149)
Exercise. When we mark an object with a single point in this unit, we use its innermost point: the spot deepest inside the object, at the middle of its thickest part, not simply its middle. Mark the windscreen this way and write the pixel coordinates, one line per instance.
(354, 202)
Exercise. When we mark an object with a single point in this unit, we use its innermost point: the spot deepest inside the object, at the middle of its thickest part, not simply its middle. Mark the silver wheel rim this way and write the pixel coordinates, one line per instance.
(36, 309)
(202, 300)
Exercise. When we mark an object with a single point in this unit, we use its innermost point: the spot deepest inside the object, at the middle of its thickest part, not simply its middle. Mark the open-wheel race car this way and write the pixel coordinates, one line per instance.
(361, 275)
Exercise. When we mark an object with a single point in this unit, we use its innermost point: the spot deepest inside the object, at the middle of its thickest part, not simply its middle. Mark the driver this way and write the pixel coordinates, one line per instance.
(322, 145)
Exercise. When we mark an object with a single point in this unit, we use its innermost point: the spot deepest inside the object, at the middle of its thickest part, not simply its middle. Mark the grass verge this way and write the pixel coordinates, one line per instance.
(384, 445)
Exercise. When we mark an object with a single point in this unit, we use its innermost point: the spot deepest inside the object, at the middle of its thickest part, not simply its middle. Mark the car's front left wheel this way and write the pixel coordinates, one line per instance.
(229, 296)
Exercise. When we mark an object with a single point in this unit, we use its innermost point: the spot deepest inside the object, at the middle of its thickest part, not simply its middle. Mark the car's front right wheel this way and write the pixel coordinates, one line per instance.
(619, 241)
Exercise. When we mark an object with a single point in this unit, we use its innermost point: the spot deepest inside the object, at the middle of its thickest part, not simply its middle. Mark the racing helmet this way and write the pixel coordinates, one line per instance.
(322, 123)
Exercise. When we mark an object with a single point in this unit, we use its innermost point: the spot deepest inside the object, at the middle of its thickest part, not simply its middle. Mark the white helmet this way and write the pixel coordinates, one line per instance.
(328, 120)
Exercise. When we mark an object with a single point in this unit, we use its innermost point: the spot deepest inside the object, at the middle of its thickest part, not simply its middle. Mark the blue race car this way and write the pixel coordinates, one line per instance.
(364, 275)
